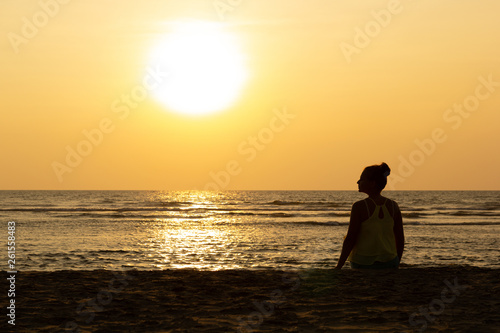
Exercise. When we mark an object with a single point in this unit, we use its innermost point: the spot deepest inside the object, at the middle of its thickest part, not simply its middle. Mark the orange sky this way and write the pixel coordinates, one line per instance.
(331, 87)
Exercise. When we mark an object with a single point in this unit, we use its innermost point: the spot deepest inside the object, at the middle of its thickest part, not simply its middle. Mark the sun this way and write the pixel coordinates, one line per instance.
(205, 68)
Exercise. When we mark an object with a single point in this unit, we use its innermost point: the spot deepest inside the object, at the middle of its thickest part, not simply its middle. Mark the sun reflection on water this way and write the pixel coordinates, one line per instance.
(189, 244)
(199, 243)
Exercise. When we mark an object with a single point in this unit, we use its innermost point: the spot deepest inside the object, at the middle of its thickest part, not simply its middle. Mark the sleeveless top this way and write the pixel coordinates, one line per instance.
(376, 240)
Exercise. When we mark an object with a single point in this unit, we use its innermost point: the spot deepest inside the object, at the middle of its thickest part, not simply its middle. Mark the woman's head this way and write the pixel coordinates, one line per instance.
(374, 178)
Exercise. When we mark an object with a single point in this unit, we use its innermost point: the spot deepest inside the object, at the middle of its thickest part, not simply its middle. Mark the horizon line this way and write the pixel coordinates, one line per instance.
(235, 190)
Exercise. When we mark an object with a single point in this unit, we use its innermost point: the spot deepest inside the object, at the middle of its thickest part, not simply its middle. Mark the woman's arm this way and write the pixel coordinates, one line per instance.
(398, 231)
(352, 233)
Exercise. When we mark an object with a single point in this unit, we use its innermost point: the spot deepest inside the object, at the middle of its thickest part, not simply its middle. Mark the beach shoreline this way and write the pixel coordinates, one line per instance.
(432, 299)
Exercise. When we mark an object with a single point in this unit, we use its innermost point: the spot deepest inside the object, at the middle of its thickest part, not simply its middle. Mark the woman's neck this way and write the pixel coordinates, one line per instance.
(375, 196)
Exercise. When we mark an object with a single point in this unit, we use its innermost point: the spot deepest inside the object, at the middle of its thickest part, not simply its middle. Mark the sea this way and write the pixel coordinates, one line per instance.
(160, 230)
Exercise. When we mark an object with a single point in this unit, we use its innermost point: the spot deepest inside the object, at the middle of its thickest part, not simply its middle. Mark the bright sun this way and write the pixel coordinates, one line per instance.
(206, 70)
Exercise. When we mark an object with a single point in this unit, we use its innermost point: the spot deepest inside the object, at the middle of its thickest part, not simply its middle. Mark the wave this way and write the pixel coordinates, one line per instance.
(315, 223)
(284, 203)
(413, 215)
(172, 203)
(305, 203)
(242, 213)
(280, 215)
(281, 211)
(456, 223)
(107, 201)
(491, 205)
(81, 209)
(336, 214)
(94, 252)
(469, 213)
(239, 213)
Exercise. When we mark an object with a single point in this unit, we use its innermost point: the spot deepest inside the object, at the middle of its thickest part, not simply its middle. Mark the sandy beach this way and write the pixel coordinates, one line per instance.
(448, 299)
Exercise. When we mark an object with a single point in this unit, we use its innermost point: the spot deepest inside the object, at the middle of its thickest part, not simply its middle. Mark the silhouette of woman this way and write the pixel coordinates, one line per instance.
(375, 238)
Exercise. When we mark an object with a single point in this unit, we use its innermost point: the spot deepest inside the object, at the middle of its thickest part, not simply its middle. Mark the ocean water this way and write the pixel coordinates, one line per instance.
(86, 230)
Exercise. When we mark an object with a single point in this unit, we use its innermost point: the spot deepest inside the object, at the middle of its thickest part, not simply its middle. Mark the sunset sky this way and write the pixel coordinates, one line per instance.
(258, 94)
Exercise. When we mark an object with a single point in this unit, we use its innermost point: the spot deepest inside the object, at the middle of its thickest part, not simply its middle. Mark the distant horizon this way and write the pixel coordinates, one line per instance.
(235, 190)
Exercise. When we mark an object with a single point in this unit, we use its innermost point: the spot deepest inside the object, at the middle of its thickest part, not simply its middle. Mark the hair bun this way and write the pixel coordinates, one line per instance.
(386, 171)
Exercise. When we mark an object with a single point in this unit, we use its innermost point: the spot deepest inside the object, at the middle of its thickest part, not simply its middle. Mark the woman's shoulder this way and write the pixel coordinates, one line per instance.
(391, 204)
(360, 206)
(390, 201)
(360, 203)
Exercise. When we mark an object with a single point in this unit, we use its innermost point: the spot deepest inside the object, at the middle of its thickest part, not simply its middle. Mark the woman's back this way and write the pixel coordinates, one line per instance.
(376, 240)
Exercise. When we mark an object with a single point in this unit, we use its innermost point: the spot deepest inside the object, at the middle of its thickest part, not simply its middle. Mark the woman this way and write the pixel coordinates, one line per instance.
(375, 238)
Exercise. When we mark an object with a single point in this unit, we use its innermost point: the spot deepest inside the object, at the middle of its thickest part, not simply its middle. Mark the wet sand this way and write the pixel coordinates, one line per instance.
(445, 299)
